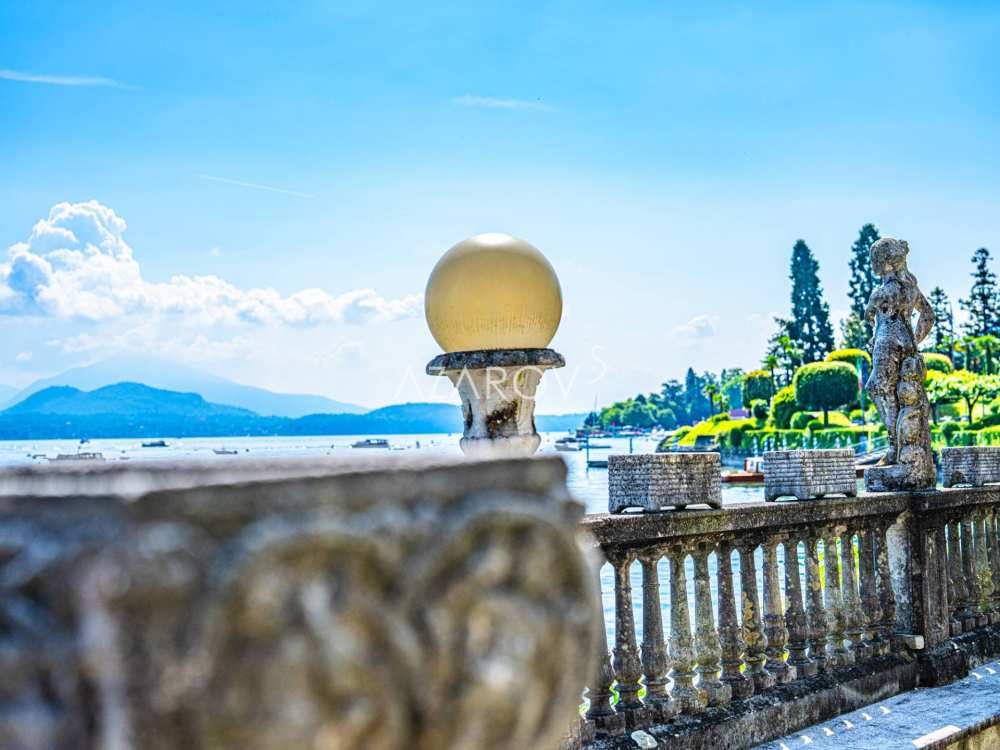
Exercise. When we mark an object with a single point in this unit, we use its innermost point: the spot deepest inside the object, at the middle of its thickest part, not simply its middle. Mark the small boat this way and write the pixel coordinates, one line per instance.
(371, 443)
(567, 444)
(600, 446)
(155, 444)
(81, 456)
(224, 451)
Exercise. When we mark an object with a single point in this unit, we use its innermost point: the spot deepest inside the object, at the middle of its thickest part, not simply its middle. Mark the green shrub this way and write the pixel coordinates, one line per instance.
(851, 357)
(815, 425)
(801, 419)
(938, 362)
(783, 406)
(724, 417)
(950, 428)
(825, 386)
(857, 415)
(757, 386)
(758, 409)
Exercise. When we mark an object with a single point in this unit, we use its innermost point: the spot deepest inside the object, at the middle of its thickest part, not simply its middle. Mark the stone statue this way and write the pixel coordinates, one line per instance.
(896, 384)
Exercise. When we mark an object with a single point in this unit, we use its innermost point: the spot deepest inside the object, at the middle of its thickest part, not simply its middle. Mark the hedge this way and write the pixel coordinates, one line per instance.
(757, 385)
(783, 407)
(825, 386)
(851, 357)
(939, 362)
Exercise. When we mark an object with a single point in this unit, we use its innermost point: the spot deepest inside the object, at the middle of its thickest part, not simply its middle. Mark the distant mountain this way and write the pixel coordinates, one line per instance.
(136, 410)
(173, 377)
(6, 393)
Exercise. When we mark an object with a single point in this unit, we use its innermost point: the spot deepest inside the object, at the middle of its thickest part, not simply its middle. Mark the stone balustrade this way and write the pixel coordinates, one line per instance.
(840, 603)
(316, 605)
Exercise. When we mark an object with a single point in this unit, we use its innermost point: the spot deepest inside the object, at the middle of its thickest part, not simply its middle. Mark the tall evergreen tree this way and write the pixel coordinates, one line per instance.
(983, 304)
(810, 325)
(861, 287)
(944, 328)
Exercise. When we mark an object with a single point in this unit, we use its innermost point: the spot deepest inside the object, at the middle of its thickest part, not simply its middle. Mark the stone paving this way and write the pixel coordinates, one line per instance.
(917, 719)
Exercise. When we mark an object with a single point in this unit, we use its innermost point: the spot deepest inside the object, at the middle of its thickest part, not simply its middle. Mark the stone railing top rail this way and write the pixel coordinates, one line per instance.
(639, 529)
(367, 475)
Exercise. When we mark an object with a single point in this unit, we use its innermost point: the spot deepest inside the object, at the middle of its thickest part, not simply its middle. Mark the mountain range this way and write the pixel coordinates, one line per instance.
(137, 410)
(170, 376)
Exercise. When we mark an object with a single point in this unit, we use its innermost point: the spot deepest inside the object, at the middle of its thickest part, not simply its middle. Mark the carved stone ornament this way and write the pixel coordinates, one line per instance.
(896, 384)
(652, 481)
(293, 605)
(806, 475)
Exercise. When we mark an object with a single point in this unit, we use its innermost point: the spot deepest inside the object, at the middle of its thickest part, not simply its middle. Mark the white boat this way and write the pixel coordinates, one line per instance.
(224, 451)
(371, 443)
(81, 456)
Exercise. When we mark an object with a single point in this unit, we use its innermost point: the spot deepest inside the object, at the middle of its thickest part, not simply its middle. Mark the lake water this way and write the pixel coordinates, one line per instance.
(589, 486)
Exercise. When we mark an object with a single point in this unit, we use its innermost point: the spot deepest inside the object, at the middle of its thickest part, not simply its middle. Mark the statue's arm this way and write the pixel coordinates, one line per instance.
(926, 320)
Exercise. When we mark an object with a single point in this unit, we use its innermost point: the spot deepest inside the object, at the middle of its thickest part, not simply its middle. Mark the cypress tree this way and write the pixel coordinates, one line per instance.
(810, 325)
(944, 328)
(862, 285)
(983, 304)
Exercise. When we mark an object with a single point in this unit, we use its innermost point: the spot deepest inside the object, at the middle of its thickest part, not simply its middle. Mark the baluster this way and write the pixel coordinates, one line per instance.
(628, 667)
(976, 618)
(606, 722)
(869, 595)
(958, 593)
(886, 593)
(707, 647)
(774, 616)
(994, 548)
(753, 632)
(984, 574)
(837, 653)
(941, 614)
(853, 619)
(654, 648)
(688, 698)
(795, 615)
(730, 637)
(814, 601)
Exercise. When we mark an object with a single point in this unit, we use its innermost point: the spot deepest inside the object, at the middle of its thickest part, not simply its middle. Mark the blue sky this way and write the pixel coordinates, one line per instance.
(665, 157)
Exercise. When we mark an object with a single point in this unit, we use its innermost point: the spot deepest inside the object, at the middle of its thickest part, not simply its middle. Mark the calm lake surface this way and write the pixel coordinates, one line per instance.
(589, 486)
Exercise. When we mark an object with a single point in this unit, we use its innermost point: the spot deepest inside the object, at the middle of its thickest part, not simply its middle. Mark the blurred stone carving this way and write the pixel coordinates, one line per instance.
(310, 605)
(807, 475)
(896, 384)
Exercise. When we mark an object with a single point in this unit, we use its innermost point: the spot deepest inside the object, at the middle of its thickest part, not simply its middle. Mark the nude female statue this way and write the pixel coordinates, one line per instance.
(896, 385)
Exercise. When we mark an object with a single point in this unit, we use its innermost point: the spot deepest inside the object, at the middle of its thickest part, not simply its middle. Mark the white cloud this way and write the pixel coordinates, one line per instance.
(698, 328)
(23, 357)
(493, 102)
(23, 77)
(77, 265)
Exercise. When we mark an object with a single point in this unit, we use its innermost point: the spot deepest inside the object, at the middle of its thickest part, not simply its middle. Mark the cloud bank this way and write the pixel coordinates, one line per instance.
(76, 265)
(493, 102)
(24, 77)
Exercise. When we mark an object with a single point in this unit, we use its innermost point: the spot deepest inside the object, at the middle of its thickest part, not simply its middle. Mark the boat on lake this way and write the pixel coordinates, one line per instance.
(371, 443)
(80, 456)
(155, 444)
(567, 444)
(224, 451)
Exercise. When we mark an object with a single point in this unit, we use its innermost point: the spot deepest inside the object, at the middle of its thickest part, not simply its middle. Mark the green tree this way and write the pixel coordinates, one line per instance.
(785, 350)
(758, 386)
(711, 390)
(982, 304)
(826, 385)
(862, 285)
(771, 363)
(964, 386)
(731, 387)
(854, 332)
(809, 326)
(944, 328)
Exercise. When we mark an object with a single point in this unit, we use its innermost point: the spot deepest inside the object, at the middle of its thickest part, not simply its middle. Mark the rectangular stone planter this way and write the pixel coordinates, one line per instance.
(652, 481)
(974, 466)
(810, 474)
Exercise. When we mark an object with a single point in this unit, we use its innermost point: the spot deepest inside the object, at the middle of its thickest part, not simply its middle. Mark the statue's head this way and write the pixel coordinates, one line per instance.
(889, 256)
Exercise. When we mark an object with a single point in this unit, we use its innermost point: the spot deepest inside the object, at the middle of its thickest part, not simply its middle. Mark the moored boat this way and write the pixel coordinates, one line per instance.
(371, 443)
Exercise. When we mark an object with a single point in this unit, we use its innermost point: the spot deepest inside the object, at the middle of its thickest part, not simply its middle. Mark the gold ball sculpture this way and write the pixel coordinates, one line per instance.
(493, 291)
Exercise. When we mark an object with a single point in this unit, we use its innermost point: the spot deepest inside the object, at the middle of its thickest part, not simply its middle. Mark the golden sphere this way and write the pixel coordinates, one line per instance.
(493, 291)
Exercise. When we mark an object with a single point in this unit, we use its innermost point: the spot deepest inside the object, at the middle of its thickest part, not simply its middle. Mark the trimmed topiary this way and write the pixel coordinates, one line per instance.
(757, 386)
(801, 420)
(851, 357)
(938, 362)
(783, 407)
(826, 385)
(758, 409)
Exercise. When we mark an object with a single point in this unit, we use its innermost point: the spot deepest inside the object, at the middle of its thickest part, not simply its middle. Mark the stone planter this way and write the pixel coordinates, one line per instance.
(808, 475)
(655, 480)
(975, 466)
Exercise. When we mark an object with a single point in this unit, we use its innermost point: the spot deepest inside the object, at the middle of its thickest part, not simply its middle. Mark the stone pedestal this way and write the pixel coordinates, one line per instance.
(655, 480)
(497, 388)
(975, 466)
(808, 475)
